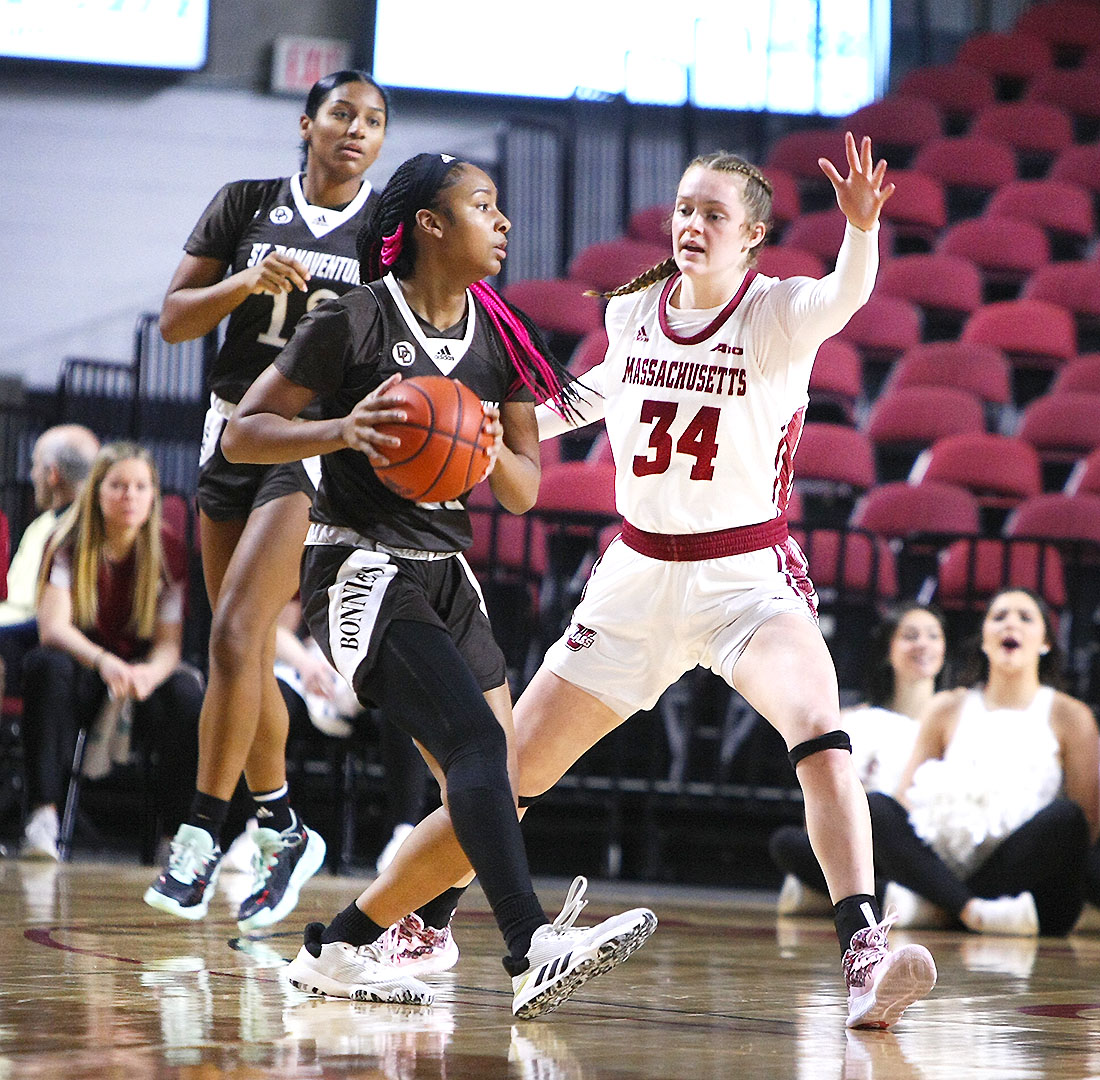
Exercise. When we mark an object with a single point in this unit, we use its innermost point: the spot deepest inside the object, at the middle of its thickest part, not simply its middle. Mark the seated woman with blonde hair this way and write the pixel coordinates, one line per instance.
(110, 618)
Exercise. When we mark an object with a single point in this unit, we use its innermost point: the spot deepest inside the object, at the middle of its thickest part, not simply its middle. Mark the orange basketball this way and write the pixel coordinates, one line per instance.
(443, 451)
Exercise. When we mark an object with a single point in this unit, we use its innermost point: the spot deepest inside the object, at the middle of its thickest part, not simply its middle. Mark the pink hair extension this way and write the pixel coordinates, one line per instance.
(391, 246)
(502, 316)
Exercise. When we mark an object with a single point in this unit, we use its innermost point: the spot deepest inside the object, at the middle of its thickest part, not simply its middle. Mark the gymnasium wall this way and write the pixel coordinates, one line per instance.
(106, 172)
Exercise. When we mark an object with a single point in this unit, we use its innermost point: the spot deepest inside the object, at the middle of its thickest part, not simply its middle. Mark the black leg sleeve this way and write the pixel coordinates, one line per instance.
(425, 687)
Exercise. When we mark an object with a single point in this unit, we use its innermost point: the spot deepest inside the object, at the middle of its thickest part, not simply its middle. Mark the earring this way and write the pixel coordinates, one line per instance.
(1045, 650)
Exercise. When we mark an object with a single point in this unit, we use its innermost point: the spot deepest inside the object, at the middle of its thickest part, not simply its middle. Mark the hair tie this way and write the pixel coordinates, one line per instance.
(391, 246)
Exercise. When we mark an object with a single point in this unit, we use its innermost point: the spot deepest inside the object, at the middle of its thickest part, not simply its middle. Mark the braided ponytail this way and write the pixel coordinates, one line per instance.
(646, 278)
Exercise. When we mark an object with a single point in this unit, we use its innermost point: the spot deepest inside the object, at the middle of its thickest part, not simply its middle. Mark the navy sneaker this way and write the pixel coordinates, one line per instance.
(187, 884)
(283, 862)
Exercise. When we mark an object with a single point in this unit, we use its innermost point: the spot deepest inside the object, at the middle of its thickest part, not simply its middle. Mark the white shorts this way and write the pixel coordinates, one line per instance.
(643, 622)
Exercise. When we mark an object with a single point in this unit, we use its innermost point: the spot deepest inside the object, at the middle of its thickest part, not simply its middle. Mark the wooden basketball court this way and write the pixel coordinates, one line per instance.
(98, 985)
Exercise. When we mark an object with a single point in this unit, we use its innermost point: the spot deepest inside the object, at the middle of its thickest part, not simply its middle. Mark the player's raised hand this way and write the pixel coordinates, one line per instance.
(861, 193)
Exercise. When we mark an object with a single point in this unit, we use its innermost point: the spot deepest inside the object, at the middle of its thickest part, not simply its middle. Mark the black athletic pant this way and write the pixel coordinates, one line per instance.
(1045, 856)
(60, 696)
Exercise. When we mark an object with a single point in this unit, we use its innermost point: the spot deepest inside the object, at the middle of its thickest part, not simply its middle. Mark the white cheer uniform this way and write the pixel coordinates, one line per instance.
(703, 410)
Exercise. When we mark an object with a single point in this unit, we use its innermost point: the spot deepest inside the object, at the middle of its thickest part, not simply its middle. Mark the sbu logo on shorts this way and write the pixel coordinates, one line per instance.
(580, 637)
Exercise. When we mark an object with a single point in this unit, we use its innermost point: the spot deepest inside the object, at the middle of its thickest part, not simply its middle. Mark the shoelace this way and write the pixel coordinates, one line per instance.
(868, 947)
(265, 858)
(573, 906)
(184, 859)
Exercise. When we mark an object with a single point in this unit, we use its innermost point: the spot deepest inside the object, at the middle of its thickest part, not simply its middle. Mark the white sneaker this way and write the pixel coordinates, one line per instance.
(912, 908)
(798, 899)
(348, 971)
(561, 959)
(390, 850)
(40, 835)
(1013, 916)
(410, 946)
(883, 984)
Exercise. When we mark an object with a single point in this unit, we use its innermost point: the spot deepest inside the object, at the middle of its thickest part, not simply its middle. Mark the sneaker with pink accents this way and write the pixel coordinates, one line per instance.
(414, 948)
(883, 984)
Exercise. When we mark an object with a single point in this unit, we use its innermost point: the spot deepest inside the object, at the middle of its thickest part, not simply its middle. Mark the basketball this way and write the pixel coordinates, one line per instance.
(443, 451)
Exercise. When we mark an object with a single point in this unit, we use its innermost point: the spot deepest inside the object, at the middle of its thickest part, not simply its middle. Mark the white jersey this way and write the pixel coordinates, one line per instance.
(704, 409)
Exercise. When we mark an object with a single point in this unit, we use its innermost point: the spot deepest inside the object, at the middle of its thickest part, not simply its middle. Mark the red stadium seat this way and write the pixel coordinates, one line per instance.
(557, 306)
(1036, 131)
(1080, 375)
(1077, 91)
(797, 153)
(834, 465)
(589, 352)
(903, 422)
(850, 564)
(1064, 210)
(1057, 516)
(607, 266)
(917, 210)
(969, 167)
(957, 90)
(651, 225)
(1085, 477)
(899, 509)
(1076, 287)
(981, 369)
(783, 262)
(836, 382)
(822, 232)
(1032, 333)
(1012, 59)
(1063, 429)
(883, 328)
(1006, 251)
(973, 570)
(998, 470)
(897, 125)
(947, 288)
(1071, 27)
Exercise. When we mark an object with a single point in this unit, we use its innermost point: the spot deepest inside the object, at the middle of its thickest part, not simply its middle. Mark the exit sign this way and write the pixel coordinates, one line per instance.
(298, 62)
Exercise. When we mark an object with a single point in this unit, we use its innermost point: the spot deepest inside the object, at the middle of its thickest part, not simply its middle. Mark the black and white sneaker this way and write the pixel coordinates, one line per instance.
(187, 883)
(562, 958)
(282, 864)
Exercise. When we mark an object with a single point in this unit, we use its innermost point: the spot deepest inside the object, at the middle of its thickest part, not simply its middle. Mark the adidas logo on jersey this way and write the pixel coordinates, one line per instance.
(444, 355)
(580, 637)
(641, 335)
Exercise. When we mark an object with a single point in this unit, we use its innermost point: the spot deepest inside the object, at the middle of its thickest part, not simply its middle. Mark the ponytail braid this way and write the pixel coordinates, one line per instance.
(646, 278)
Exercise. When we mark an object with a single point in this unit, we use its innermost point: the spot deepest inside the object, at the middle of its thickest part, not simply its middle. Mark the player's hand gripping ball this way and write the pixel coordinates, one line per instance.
(443, 451)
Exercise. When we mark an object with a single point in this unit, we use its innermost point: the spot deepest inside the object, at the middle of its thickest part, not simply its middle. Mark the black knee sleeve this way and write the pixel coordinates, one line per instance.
(831, 740)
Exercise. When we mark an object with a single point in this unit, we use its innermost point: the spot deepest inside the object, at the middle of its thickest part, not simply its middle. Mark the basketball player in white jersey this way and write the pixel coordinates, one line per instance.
(703, 390)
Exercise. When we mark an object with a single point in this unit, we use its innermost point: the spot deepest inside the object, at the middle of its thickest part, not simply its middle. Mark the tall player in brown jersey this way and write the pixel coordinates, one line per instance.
(263, 253)
(385, 589)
